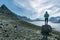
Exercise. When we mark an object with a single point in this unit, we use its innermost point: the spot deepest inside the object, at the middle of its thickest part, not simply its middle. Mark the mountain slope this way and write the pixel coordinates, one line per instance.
(13, 28)
(5, 13)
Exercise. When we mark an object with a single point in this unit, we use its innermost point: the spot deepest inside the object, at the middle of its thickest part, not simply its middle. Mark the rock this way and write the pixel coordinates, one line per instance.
(46, 29)
(6, 35)
(15, 26)
(1, 24)
(5, 30)
(6, 24)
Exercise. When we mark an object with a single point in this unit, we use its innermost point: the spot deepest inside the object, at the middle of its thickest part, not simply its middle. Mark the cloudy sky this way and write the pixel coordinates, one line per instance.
(33, 8)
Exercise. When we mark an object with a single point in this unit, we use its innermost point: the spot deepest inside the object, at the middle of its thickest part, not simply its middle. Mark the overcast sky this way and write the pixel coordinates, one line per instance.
(33, 8)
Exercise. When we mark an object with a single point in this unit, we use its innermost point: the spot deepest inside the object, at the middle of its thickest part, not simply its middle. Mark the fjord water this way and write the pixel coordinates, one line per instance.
(55, 26)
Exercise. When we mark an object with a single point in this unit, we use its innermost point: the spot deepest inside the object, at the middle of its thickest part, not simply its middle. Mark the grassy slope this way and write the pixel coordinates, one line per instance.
(35, 27)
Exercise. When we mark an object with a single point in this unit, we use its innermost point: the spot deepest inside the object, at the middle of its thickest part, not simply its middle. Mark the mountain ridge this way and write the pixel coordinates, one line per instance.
(4, 11)
(55, 19)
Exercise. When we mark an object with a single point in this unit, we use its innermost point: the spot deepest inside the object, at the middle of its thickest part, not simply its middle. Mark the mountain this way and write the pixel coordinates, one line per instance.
(12, 27)
(5, 13)
(55, 19)
(37, 19)
(25, 18)
(28, 19)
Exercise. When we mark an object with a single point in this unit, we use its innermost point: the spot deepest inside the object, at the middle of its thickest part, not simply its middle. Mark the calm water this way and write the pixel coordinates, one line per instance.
(56, 26)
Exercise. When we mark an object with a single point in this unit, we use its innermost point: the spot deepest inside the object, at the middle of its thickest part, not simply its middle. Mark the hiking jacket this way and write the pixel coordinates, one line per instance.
(46, 15)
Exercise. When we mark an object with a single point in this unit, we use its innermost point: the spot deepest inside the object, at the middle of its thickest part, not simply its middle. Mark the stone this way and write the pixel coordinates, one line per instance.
(46, 29)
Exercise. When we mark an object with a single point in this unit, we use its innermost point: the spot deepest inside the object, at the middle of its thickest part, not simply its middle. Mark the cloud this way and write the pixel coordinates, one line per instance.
(55, 15)
(23, 3)
(38, 7)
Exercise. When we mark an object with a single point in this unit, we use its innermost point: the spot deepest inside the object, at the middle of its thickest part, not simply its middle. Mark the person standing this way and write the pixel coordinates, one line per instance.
(46, 15)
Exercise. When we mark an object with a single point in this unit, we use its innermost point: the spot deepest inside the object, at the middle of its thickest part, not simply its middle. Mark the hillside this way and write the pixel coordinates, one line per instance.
(55, 19)
(13, 28)
(5, 13)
